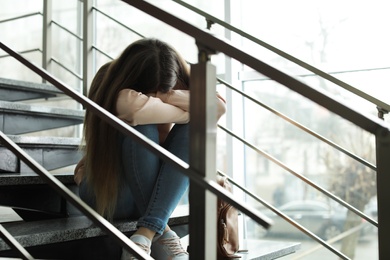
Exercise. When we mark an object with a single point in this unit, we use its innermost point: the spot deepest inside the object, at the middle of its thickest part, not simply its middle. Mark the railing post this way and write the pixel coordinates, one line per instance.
(203, 123)
(46, 35)
(87, 44)
(383, 192)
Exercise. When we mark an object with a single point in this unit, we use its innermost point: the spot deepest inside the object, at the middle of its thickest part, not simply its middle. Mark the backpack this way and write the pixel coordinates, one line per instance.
(227, 226)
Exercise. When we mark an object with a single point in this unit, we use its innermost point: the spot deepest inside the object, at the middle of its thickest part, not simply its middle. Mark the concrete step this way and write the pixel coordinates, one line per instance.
(21, 118)
(32, 179)
(16, 90)
(51, 152)
(74, 237)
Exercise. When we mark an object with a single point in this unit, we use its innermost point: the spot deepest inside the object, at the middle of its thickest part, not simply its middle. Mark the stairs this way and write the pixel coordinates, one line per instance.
(50, 227)
(21, 188)
(74, 237)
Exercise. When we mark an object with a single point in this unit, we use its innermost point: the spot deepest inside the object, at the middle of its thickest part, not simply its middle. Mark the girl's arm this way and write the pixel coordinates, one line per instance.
(181, 98)
(138, 109)
(172, 107)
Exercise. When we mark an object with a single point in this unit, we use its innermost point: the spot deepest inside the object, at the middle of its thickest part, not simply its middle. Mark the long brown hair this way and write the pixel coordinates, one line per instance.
(147, 66)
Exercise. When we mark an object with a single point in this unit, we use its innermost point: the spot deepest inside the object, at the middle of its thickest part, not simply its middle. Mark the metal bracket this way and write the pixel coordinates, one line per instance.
(209, 23)
(204, 52)
(381, 112)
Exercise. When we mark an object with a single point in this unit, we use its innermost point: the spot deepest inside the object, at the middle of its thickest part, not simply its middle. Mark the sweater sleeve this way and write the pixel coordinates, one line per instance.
(138, 109)
(177, 98)
(181, 99)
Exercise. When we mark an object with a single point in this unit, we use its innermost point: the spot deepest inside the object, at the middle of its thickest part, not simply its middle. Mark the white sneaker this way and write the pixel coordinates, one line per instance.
(141, 241)
(168, 247)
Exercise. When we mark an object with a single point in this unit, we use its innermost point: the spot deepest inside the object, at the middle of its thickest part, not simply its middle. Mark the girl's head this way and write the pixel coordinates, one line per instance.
(150, 65)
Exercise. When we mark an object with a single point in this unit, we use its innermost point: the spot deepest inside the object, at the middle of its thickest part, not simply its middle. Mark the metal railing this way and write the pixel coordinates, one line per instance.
(367, 122)
(295, 123)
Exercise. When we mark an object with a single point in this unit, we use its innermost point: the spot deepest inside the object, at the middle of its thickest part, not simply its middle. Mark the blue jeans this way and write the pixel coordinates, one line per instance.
(150, 189)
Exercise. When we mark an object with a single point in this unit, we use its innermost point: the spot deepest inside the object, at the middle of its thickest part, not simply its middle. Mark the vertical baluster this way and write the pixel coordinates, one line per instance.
(88, 26)
(47, 35)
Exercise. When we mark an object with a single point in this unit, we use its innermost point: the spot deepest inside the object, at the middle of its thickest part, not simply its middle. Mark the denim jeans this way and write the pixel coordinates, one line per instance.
(150, 189)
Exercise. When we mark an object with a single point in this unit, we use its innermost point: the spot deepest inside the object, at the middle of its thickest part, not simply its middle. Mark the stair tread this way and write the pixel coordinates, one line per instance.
(19, 84)
(58, 230)
(19, 107)
(32, 179)
(37, 233)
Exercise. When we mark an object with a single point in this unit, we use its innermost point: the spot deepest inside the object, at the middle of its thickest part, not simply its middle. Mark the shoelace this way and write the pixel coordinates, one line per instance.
(174, 245)
(143, 247)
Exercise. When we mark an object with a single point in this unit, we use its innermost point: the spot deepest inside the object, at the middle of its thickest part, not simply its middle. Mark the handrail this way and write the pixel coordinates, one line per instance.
(289, 57)
(13, 243)
(302, 127)
(209, 185)
(300, 176)
(20, 17)
(326, 244)
(211, 42)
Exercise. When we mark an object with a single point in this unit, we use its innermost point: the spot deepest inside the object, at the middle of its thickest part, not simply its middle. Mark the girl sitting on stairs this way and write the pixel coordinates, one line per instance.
(147, 87)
